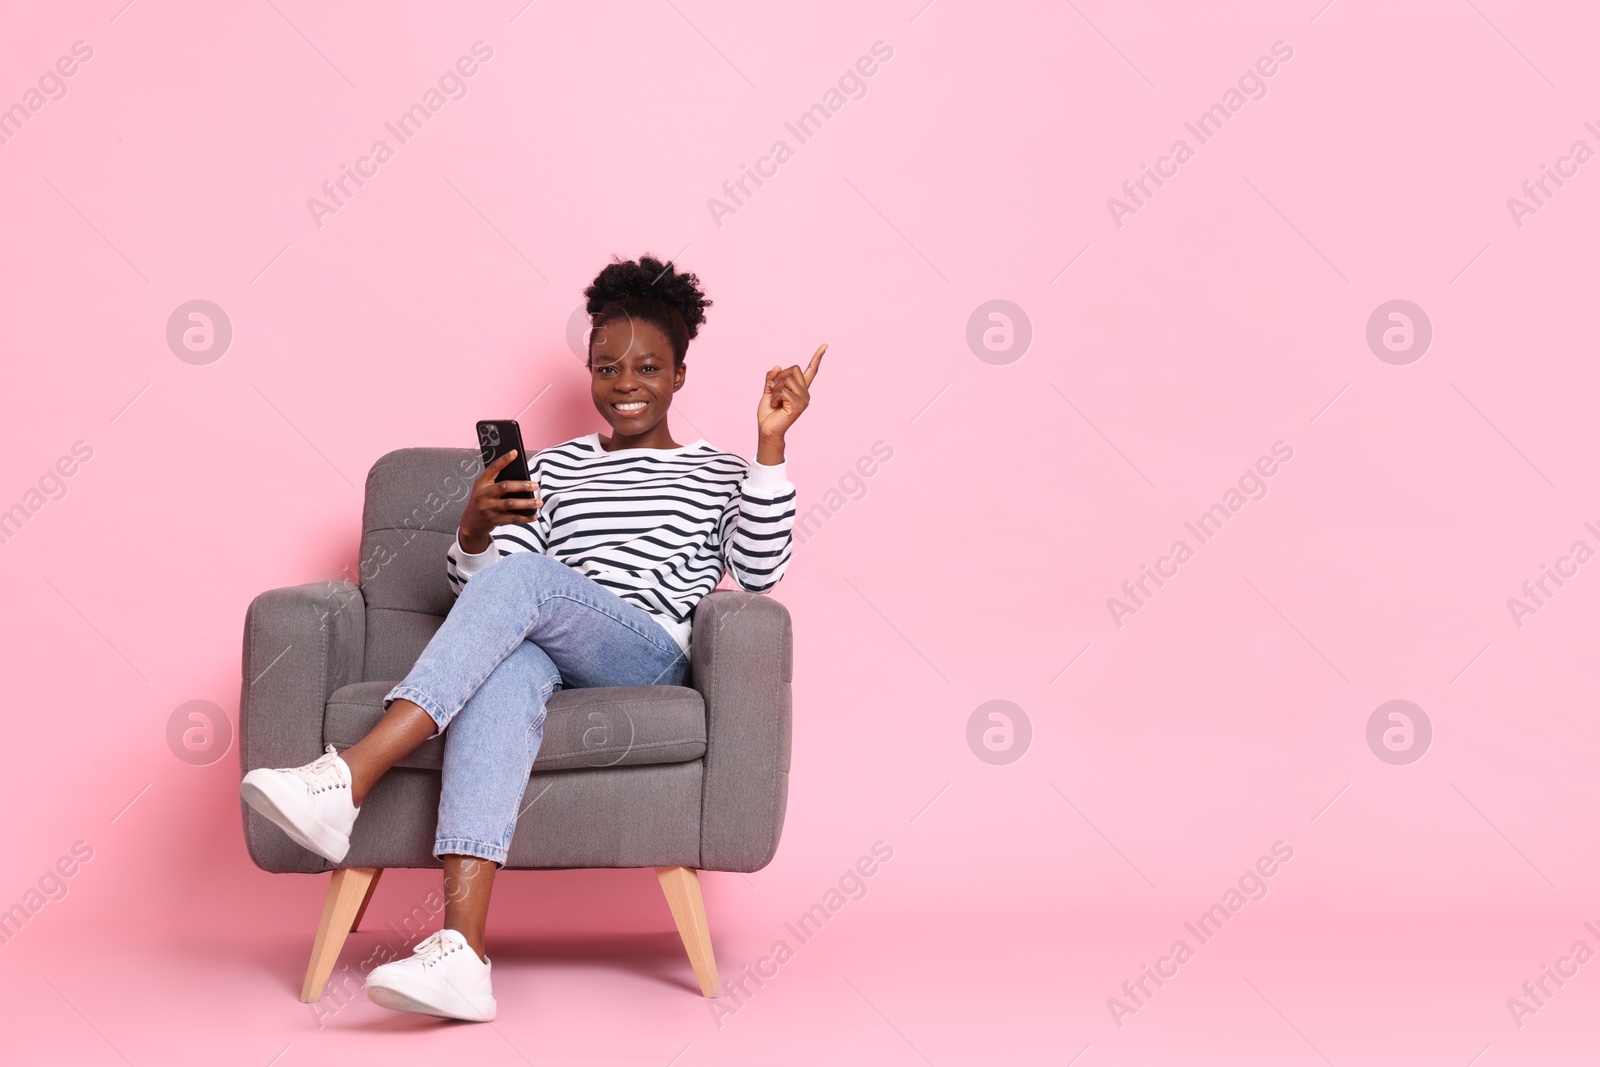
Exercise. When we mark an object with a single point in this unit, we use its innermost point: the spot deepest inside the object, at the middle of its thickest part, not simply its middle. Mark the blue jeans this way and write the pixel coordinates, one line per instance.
(521, 629)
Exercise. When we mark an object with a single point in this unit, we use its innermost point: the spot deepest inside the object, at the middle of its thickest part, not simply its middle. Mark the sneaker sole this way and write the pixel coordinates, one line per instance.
(263, 792)
(420, 999)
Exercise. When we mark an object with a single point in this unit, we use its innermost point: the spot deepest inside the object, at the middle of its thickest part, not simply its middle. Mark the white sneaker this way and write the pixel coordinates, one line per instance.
(311, 804)
(442, 977)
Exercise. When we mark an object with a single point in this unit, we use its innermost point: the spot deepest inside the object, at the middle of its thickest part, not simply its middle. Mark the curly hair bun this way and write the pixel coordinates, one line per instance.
(627, 282)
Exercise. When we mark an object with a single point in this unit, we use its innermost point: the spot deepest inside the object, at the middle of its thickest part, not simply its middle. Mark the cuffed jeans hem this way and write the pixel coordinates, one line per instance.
(461, 846)
(423, 701)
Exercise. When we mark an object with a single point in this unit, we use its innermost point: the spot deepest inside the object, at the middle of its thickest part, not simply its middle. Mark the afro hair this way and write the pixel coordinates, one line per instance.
(652, 291)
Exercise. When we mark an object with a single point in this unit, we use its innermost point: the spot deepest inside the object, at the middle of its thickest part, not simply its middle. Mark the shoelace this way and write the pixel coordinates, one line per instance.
(433, 948)
(321, 774)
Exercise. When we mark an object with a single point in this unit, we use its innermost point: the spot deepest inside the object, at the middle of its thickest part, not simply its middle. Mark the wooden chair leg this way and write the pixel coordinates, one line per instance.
(682, 888)
(346, 896)
(355, 924)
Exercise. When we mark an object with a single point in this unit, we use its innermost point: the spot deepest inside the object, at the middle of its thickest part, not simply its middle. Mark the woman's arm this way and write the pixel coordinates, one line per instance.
(757, 528)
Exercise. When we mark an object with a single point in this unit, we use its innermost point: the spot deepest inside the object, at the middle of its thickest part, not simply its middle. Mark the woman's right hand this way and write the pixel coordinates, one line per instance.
(488, 506)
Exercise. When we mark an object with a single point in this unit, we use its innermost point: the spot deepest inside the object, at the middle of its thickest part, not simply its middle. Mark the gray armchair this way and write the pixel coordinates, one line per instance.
(679, 778)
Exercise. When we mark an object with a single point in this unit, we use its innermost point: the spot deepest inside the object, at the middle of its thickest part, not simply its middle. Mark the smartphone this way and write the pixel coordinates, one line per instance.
(496, 437)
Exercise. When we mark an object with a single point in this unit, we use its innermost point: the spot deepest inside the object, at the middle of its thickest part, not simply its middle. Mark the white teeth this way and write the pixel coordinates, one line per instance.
(629, 407)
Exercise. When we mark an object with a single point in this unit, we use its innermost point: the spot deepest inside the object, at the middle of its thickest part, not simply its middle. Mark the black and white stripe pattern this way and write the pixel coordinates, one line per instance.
(655, 526)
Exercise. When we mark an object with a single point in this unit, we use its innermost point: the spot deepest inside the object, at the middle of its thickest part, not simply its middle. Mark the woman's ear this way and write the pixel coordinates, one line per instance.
(678, 373)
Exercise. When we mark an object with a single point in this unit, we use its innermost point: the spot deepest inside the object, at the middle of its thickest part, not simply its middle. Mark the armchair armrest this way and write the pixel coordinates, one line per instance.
(741, 655)
(300, 644)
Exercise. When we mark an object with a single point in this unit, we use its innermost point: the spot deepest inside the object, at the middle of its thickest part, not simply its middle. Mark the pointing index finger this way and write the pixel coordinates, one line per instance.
(816, 361)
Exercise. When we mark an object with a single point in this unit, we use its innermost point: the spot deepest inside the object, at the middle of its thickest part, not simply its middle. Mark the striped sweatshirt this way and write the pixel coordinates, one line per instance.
(656, 526)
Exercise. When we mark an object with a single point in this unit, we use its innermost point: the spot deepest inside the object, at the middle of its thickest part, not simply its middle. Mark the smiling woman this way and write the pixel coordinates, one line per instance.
(585, 575)
(654, 521)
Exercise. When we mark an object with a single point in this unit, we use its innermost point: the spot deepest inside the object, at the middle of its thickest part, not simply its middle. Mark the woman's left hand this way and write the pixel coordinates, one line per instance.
(783, 398)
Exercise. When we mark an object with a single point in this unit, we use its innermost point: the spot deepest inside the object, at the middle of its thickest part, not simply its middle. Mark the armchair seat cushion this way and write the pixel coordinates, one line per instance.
(584, 728)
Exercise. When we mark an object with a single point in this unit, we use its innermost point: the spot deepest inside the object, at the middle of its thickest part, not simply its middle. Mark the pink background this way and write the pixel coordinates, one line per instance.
(1227, 314)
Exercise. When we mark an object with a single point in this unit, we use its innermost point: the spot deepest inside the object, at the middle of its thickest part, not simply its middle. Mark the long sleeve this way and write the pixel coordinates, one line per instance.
(460, 565)
(757, 528)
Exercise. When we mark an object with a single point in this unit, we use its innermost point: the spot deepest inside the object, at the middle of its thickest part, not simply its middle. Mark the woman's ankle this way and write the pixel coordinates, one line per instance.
(474, 939)
(361, 782)
(468, 884)
(403, 727)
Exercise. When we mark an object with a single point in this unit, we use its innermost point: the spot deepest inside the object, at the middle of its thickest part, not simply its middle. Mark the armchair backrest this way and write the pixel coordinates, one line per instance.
(414, 501)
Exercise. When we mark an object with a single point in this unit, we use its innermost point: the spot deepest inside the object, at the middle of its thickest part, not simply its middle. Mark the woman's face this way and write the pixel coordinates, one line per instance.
(631, 375)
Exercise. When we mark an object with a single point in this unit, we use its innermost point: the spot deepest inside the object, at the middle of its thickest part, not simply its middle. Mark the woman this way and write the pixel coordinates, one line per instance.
(592, 582)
